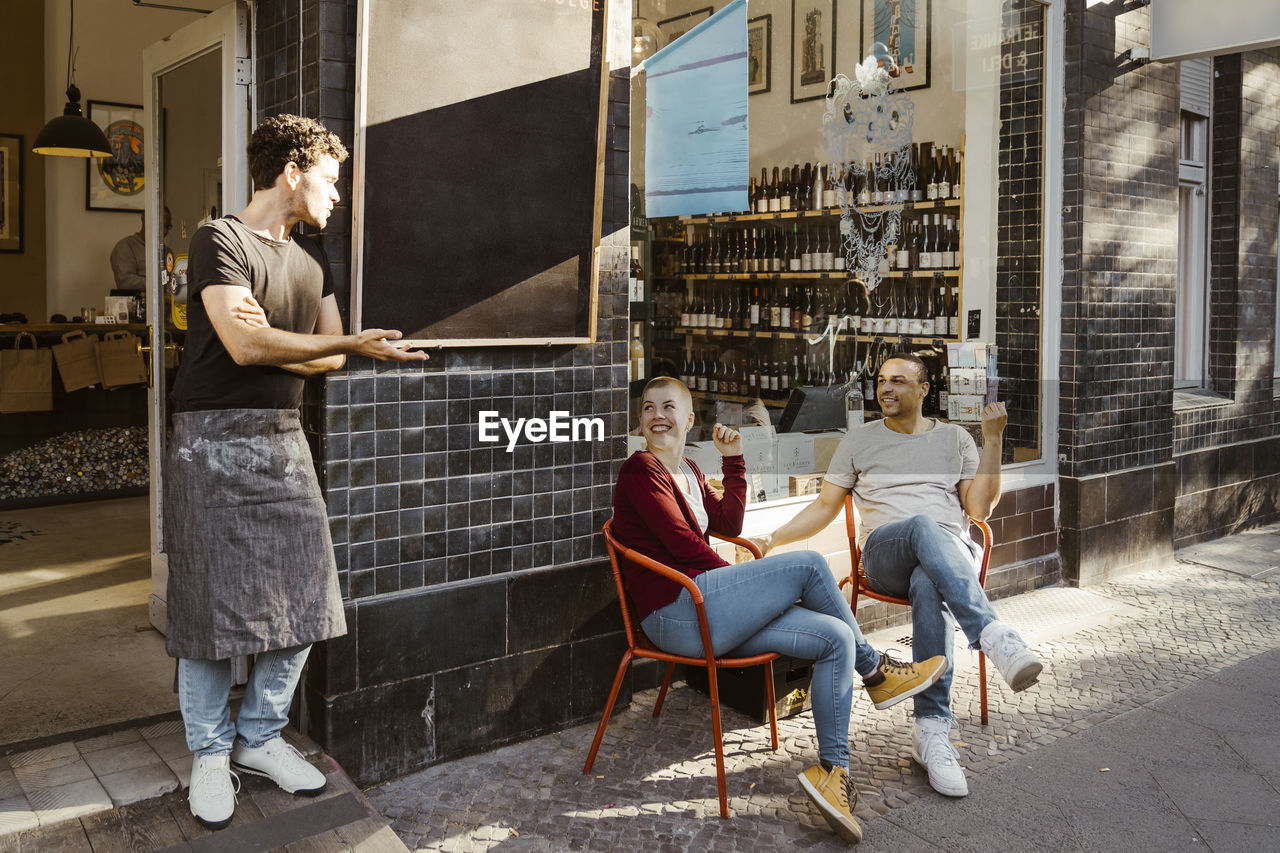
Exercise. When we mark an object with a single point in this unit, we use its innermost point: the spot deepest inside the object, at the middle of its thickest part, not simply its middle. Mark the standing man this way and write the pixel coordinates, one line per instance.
(129, 257)
(251, 567)
(913, 481)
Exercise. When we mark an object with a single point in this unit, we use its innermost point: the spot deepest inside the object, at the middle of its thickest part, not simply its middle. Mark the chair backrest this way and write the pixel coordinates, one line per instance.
(630, 619)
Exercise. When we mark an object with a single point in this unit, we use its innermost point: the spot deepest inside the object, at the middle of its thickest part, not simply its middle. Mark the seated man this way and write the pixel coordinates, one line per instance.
(913, 481)
(662, 507)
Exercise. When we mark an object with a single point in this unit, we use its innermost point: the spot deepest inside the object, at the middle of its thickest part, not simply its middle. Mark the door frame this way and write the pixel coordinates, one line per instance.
(228, 29)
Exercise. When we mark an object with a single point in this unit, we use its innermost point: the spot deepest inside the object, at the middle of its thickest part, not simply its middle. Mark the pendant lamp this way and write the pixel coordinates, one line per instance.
(71, 134)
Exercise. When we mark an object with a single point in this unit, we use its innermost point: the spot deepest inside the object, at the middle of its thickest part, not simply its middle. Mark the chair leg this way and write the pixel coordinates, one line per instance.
(608, 709)
(712, 682)
(773, 710)
(662, 694)
(982, 685)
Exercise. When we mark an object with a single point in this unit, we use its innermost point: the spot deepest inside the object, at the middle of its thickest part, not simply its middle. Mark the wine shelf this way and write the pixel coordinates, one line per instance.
(719, 218)
(795, 336)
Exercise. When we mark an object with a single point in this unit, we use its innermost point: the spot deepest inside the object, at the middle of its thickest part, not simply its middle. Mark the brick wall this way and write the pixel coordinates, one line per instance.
(478, 604)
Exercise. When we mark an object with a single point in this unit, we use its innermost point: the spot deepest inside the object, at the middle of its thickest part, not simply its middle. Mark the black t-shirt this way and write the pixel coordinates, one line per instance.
(287, 279)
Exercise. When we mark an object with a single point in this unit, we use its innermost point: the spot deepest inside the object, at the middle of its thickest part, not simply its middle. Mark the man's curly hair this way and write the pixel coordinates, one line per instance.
(283, 139)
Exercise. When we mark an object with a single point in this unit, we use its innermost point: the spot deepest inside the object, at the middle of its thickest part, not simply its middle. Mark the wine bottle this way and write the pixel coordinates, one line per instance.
(915, 314)
(944, 180)
(928, 322)
(953, 312)
(785, 190)
(955, 173)
(877, 194)
(762, 191)
(775, 193)
(931, 188)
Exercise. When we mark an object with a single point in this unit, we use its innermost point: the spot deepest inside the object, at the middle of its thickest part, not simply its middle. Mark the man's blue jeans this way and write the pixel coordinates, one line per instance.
(751, 609)
(205, 685)
(923, 561)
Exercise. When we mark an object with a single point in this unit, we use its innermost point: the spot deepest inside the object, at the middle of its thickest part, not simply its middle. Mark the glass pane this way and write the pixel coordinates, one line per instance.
(907, 216)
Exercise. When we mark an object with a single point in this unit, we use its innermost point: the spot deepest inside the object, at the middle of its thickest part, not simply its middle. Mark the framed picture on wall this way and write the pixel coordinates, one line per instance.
(673, 28)
(897, 33)
(115, 182)
(10, 192)
(759, 54)
(813, 48)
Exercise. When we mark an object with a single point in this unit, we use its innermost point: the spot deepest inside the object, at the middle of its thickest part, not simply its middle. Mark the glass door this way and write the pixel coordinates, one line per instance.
(197, 97)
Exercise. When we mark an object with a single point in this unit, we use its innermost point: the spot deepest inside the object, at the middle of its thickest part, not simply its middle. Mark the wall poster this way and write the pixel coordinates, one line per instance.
(813, 48)
(115, 182)
(897, 33)
(10, 192)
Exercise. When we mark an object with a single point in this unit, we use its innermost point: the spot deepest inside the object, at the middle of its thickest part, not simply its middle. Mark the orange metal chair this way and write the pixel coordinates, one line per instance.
(860, 586)
(639, 646)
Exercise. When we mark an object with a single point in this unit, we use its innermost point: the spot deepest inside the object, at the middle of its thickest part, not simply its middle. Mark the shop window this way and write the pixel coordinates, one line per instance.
(924, 237)
(1191, 300)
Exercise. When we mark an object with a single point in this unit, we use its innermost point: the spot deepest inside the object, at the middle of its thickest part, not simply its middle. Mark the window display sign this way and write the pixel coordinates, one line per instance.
(479, 168)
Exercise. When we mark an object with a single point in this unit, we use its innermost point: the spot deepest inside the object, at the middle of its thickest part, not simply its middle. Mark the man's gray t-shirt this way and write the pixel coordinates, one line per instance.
(894, 476)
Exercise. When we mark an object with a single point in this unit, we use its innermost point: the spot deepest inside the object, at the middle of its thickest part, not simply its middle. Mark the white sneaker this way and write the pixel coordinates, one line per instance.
(1017, 664)
(212, 796)
(280, 763)
(932, 749)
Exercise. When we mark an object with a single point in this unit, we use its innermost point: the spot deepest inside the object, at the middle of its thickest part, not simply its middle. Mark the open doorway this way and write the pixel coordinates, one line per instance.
(82, 584)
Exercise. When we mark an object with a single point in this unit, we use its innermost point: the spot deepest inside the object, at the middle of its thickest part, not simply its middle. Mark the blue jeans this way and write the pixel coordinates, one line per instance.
(751, 609)
(205, 685)
(923, 561)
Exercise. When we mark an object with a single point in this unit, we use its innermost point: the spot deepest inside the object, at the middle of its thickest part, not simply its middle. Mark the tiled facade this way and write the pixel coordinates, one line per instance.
(479, 607)
(1140, 472)
(1227, 449)
(1019, 291)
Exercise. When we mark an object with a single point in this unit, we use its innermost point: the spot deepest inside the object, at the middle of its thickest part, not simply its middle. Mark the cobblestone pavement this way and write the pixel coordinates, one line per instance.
(1119, 646)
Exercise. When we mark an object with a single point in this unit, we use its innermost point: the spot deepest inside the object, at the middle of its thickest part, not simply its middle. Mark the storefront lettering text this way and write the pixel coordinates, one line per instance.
(558, 428)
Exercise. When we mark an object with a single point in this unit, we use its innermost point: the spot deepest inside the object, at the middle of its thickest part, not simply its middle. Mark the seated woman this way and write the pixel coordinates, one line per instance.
(787, 603)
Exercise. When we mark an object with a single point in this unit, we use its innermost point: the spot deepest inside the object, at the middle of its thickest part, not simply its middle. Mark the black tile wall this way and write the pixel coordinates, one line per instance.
(478, 597)
(1119, 253)
(1243, 228)
(1019, 222)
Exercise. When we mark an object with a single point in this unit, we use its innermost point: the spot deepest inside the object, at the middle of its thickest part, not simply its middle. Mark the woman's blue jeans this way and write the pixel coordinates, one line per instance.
(751, 609)
(204, 687)
(923, 561)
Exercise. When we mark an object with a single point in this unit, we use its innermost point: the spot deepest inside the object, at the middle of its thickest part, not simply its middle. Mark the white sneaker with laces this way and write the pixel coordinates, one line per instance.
(212, 796)
(932, 749)
(280, 763)
(1008, 651)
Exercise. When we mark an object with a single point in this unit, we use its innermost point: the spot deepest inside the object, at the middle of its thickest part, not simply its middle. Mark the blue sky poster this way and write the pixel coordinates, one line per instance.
(696, 141)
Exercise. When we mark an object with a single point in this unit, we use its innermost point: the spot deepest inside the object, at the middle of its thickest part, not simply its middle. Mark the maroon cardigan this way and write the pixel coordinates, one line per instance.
(651, 516)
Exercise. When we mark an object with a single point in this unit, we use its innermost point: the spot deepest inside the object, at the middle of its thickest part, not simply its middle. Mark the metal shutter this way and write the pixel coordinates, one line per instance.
(1197, 85)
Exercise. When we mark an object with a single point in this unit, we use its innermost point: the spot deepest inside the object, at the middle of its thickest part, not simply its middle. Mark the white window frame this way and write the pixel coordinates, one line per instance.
(1191, 302)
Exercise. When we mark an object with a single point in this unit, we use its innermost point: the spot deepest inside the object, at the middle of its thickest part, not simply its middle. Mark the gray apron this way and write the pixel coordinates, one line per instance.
(251, 565)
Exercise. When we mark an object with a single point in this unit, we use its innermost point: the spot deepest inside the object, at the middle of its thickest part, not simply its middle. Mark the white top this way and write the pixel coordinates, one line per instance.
(894, 475)
(693, 494)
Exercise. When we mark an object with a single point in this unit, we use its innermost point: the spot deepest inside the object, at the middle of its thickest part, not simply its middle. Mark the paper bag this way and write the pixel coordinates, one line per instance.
(77, 358)
(26, 377)
(119, 360)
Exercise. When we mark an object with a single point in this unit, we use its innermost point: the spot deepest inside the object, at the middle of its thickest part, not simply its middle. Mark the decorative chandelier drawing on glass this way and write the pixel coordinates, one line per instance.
(867, 131)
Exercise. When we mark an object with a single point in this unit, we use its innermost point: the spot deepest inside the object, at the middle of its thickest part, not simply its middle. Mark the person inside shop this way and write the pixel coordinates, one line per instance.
(914, 480)
(251, 564)
(129, 257)
(787, 603)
